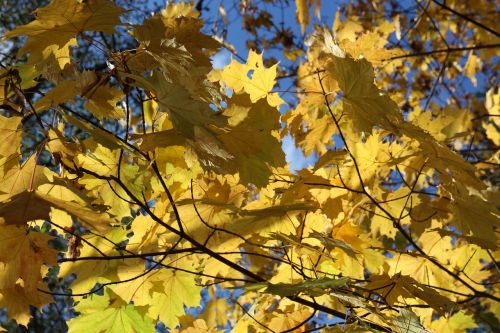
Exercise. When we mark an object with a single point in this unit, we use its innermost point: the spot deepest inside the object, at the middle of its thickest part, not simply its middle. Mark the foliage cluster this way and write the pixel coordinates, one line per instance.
(152, 183)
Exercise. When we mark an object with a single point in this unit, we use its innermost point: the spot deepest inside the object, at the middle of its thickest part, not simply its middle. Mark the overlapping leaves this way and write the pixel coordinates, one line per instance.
(165, 178)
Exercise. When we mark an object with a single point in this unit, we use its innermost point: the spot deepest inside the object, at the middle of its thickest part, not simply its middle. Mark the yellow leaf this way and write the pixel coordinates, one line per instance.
(457, 323)
(60, 217)
(288, 320)
(100, 160)
(472, 66)
(22, 208)
(18, 300)
(171, 292)
(93, 217)
(58, 24)
(363, 101)
(10, 135)
(138, 290)
(302, 11)
(90, 272)
(252, 78)
(401, 289)
(102, 102)
(252, 161)
(18, 178)
(22, 258)
(29, 206)
(371, 46)
(22, 255)
(100, 98)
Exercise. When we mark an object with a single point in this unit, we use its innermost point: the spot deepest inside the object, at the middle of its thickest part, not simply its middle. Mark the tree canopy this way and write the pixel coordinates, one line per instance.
(337, 174)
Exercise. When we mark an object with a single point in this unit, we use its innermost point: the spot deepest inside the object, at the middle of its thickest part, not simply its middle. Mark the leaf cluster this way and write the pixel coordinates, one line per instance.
(154, 183)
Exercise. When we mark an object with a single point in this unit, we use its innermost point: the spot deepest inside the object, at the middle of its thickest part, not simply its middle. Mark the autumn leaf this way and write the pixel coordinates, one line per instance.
(29, 248)
(57, 25)
(152, 177)
(170, 292)
(10, 136)
(19, 177)
(302, 11)
(29, 206)
(407, 322)
(252, 78)
(86, 276)
(23, 254)
(455, 323)
(363, 100)
(115, 319)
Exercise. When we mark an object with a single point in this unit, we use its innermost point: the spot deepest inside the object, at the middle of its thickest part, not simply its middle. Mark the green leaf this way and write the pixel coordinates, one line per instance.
(109, 314)
(408, 322)
(316, 287)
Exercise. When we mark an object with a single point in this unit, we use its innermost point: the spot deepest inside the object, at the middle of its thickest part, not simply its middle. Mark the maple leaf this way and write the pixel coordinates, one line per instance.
(167, 181)
(246, 119)
(104, 319)
(288, 320)
(101, 98)
(22, 256)
(170, 292)
(367, 104)
(57, 24)
(182, 23)
(468, 208)
(28, 252)
(18, 177)
(159, 139)
(29, 206)
(369, 44)
(104, 138)
(252, 78)
(139, 289)
(186, 118)
(18, 299)
(10, 135)
(22, 208)
(407, 287)
(408, 322)
(62, 218)
(458, 322)
(159, 49)
(88, 273)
